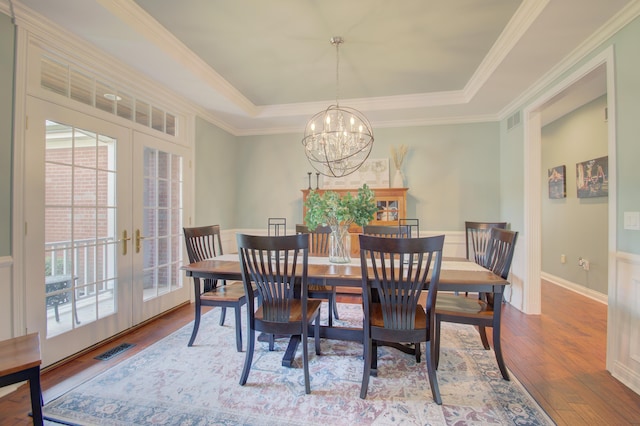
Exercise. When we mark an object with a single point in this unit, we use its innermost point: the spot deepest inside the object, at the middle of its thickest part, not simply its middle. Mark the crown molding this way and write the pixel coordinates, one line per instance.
(140, 21)
(526, 14)
(606, 31)
(5, 8)
(427, 121)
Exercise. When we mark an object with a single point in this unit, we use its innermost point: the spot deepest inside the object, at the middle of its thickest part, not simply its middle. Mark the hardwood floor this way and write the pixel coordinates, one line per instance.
(558, 356)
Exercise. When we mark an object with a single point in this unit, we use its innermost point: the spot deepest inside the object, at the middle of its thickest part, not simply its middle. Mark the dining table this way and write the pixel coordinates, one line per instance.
(456, 275)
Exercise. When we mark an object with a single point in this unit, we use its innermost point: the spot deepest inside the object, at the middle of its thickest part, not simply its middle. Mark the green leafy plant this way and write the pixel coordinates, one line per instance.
(333, 210)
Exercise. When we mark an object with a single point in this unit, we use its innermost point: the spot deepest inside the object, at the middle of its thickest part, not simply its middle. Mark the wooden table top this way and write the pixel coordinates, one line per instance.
(454, 272)
(19, 353)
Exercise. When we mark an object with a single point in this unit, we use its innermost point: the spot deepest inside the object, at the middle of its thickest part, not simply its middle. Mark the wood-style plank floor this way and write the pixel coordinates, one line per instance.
(558, 356)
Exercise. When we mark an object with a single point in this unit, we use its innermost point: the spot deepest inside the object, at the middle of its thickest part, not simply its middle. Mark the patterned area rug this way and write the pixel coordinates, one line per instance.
(172, 384)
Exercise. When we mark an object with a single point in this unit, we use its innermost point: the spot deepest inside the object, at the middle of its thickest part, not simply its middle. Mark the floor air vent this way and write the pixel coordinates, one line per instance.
(114, 351)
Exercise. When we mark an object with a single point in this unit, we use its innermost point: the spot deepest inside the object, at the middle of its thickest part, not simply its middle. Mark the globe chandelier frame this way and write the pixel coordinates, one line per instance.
(338, 140)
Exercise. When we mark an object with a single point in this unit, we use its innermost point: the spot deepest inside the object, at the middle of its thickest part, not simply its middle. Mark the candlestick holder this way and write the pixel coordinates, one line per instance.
(317, 180)
(309, 173)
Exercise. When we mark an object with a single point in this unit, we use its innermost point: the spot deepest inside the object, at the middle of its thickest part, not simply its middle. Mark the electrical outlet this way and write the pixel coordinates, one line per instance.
(583, 263)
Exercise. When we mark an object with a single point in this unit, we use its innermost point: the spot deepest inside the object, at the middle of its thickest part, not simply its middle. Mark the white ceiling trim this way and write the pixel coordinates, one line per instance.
(615, 24)
(368, 104)
(526, 14)
(139, 20)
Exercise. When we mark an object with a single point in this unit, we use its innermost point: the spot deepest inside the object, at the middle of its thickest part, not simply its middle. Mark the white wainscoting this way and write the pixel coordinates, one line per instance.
(623, 331)
(6, 309)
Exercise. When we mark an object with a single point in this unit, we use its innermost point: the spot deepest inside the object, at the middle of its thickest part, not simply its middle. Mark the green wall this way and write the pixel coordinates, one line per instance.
(575, 227)
(216, 164)
(451, 171)
(628, 130)
(627, 96)
(7, 56)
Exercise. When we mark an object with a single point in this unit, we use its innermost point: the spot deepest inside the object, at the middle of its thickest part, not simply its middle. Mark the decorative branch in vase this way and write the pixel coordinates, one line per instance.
(398, 158)
(339, 213)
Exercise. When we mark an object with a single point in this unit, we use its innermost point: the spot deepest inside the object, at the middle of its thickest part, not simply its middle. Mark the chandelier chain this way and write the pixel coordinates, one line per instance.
(337, 43)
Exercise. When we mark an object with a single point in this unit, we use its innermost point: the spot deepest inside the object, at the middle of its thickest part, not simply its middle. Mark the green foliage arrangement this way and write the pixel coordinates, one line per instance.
(332, 210)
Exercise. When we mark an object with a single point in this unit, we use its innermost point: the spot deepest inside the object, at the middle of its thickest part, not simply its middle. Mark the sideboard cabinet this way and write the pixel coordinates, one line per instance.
(392, 206)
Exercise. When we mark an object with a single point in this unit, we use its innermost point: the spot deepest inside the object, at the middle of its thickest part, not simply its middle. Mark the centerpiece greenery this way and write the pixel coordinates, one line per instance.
(339, 213)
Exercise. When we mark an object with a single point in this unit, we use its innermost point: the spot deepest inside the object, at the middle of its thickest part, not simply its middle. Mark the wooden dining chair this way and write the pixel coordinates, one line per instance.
(391, 291)
(478, 311)
(319, 246)
(204, 243)
(276, 226)
(412, 226)
(277, 266)
(477, 236)
(386, 231)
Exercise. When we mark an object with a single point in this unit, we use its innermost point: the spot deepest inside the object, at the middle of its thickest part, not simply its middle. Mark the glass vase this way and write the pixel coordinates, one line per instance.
(340, 244)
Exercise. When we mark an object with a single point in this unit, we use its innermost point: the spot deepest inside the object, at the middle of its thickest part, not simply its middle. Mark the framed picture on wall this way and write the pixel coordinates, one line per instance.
(592, 178)
(374, 172)
(558, 182)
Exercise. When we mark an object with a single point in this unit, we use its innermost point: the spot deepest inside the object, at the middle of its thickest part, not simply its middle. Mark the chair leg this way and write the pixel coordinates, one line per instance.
(331, 302)
(431, 372)
(248, 359)
(272, 342)
(497, 348)
(238, 316)
(436, 344)
(316, 333)
(367, 367)
(196, 322)
(223, 314)
(374, 358)
(418, 350)
(483, 336)
(305, 358)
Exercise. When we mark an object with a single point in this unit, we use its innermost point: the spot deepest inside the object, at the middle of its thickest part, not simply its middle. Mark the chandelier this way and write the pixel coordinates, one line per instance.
(338, 140)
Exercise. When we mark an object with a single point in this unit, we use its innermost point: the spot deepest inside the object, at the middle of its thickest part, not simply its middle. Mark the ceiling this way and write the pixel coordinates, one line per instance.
(260, 67)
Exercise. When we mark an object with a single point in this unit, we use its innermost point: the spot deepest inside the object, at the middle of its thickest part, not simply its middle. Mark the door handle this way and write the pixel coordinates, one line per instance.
(124, 242)
(139, 238)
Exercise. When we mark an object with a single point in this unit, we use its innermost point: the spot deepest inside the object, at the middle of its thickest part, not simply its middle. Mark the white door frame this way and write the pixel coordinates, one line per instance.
(532, 184)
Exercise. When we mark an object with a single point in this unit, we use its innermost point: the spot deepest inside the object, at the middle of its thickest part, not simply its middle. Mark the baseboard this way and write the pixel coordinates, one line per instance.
(576, 288)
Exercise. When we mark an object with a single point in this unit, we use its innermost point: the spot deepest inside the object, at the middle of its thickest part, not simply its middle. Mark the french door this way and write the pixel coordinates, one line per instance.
(103, 215)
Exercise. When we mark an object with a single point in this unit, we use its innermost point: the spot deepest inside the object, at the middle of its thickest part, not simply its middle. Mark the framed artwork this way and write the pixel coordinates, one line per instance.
(558, 182)
(374, 172)
(592, 178)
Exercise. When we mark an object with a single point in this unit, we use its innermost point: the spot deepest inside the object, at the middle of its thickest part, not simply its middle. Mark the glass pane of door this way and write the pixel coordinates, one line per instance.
(162, 226)
(80, 233)
(159, 180)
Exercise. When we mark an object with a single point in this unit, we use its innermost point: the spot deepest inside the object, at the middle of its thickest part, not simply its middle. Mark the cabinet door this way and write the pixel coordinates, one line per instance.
(389, 211)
